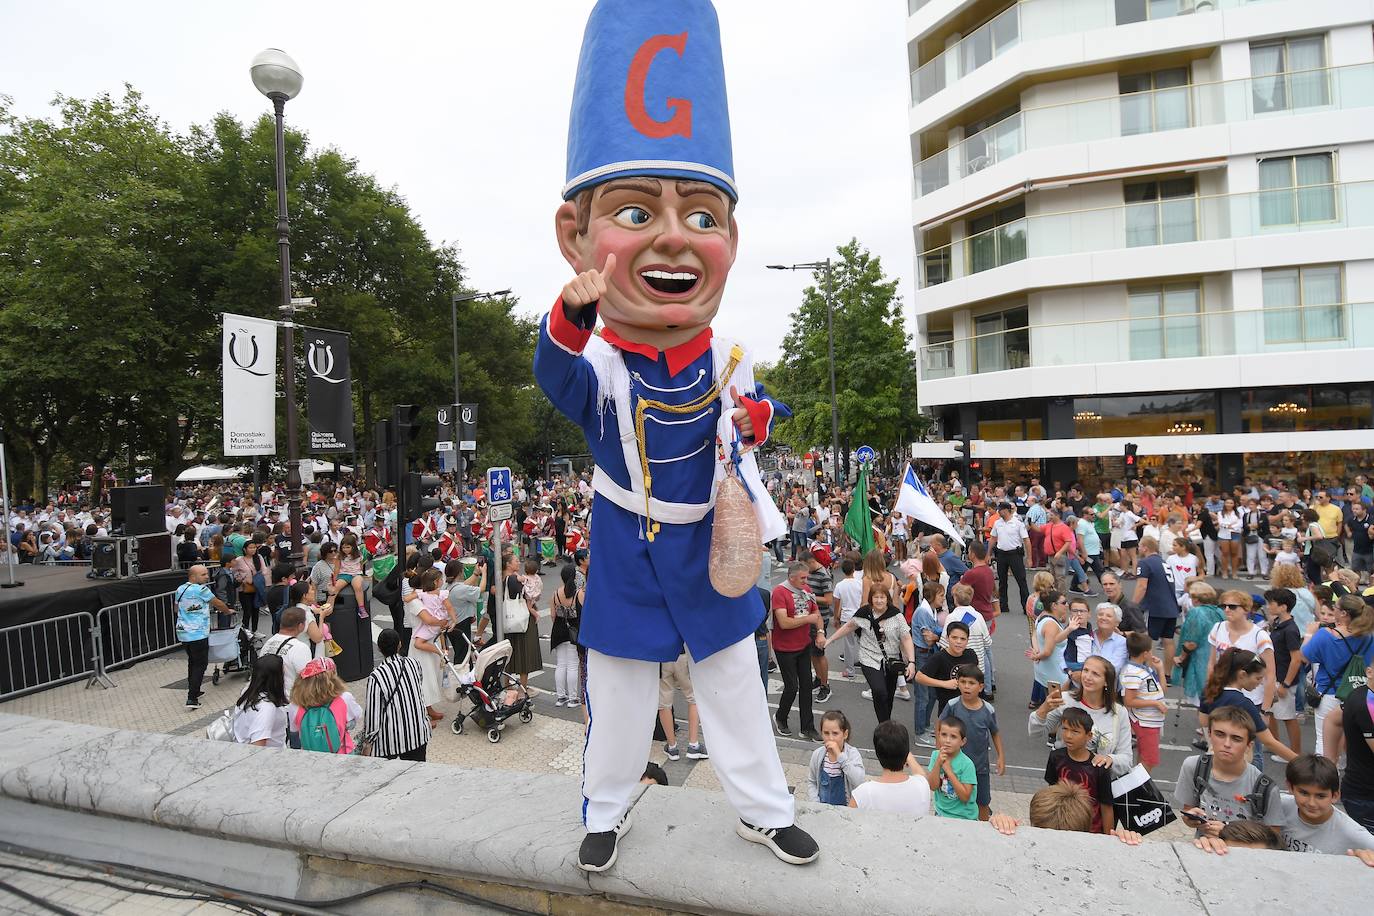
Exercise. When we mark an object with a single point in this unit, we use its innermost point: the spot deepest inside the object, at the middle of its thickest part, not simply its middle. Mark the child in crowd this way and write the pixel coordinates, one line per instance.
(1219, 787)
(952, 777)
(895, 790)
(1234, 673)
(836, 768)
(1073, 763)
(1311, 822)
(1289, 553)
(941, 671)
(1140, 681)
(1240, 835)
(1287, 640)
(348, 569)
(1062, 806)
(979, 637)
(980, 729)
(532, 587)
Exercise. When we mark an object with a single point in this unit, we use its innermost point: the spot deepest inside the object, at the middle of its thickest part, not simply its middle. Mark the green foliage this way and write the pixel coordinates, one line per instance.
(121, 244)
(875, 367)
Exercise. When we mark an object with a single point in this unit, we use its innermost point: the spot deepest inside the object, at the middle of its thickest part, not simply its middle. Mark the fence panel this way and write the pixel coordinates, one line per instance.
(135, 630)
(46, 653)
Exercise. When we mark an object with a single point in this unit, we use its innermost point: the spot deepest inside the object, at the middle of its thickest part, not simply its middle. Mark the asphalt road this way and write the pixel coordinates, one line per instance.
(1025, 756)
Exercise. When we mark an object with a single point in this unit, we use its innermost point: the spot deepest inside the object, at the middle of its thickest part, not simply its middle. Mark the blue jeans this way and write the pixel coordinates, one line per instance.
(1362, 810)
(762, 646)
(1079, 574)
(924, 699)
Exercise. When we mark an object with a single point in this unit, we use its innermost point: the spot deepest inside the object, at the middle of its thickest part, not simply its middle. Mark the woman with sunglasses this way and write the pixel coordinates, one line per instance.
(1237, 631)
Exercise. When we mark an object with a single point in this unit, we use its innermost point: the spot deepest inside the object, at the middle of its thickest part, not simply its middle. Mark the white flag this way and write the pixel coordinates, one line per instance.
(250, 386)
(915, 502)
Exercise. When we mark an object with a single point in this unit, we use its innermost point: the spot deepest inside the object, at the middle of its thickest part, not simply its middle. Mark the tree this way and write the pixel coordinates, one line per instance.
(875, 367)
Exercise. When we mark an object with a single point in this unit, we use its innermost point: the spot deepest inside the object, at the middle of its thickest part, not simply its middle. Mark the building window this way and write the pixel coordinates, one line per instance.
(1154, 101)
(1151, 414)
(1161, 212)
(996, 238)
(1288, 73)
(1001, 340)
(991, 140)
(1297, 189)
(1303, 408)
(1166, 321)
(1303, 304)
(1128, 11)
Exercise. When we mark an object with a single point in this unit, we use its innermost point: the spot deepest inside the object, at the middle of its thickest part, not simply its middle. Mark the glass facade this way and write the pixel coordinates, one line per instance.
(1146, 415)
(1303, 408)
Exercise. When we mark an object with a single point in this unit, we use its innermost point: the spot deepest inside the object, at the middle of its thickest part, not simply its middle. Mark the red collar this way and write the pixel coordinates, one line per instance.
(679, 357)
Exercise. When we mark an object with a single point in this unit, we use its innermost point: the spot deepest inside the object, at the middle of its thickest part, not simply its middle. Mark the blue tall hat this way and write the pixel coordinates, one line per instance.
(650, 96)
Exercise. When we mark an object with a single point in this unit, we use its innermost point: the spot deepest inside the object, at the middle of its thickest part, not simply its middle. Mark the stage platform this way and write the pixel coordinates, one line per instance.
(53, 591)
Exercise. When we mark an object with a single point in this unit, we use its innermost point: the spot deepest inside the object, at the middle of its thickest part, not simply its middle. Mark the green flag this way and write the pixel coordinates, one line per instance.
(857, 523)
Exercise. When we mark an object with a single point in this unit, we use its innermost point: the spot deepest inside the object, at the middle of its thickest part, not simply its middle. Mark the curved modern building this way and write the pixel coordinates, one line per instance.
(1147, 221)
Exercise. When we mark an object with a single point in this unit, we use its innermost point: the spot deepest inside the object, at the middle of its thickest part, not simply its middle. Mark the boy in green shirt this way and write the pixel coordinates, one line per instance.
(952, 777)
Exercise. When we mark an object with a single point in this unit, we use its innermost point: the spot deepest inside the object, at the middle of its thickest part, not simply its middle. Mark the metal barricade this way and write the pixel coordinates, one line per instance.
(135, 630)
(47, 653)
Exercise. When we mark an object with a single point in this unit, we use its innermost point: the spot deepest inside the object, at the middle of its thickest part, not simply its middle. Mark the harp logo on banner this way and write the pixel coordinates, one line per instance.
(250, 385)
(329, 391)
(322, 353)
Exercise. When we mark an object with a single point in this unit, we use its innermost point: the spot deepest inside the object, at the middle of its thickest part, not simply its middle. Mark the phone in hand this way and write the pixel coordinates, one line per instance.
(1195, 820)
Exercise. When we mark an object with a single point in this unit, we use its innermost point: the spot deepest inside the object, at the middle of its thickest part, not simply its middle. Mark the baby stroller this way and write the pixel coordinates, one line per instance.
(486, 693)
(232, 644)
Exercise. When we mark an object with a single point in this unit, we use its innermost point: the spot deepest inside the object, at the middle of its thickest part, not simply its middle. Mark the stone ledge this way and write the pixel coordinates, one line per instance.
(522, 830)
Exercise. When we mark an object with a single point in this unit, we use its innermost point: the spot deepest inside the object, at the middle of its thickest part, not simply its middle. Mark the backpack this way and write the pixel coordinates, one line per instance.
(320, 730)
(1352, 675)
(1258, 797)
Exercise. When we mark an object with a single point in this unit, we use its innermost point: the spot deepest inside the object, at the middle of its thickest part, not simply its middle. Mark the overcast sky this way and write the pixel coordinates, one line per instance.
(463, 107)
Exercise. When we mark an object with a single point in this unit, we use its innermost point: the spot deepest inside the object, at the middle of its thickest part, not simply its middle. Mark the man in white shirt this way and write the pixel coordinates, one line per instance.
(1011, 542)
(286, 642)
(848, 596)
(896, 790)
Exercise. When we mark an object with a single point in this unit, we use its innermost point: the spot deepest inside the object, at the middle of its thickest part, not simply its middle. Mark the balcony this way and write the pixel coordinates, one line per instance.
(1033, 19)
(1251, 332)
(1158, 222)
(1196, 105)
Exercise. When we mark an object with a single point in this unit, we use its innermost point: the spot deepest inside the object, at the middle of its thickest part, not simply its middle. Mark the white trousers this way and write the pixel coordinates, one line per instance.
(565, 673)
(622, 701)
(1328, 703)
(1256, 557)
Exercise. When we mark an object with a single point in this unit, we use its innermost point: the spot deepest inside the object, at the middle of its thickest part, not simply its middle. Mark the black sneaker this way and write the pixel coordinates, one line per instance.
(809, 734)
(822, 693)
(193, 703)
(782, 727)
(599, 850)
(791, 844)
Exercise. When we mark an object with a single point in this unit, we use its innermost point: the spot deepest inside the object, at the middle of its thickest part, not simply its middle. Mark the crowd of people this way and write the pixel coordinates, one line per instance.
(914, 618)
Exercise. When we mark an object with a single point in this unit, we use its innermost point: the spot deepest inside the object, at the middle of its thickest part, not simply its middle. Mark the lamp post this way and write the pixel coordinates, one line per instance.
(457, 298)
(466, 297)
(278, 77)
(824, 267)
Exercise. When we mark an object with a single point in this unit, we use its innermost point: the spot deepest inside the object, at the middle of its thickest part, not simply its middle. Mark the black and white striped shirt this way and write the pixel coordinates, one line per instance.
(402, 725)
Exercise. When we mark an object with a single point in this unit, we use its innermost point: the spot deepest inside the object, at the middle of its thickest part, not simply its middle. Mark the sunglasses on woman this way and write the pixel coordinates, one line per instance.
(1228, 607)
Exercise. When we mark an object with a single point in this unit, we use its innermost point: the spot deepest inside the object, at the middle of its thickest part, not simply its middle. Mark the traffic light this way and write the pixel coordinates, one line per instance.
(961, 452)
(421, 493)
(819, 466)
(381, 447)
(1130, 458)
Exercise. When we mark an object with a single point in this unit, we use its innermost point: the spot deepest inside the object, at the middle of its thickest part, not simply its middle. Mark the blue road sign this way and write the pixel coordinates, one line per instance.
(499, 489)
(865, 454)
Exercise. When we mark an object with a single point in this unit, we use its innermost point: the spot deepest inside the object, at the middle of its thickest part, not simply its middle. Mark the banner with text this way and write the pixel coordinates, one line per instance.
(250, 385)
(329, 391)
(467, 427)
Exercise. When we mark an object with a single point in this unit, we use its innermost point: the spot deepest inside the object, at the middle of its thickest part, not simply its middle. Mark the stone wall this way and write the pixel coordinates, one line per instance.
(314, 826)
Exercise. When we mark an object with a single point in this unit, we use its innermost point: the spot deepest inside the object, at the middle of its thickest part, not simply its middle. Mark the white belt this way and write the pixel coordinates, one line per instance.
(672, 513)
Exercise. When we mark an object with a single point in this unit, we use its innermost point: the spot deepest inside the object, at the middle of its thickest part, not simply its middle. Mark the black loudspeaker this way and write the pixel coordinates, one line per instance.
(138, 510)
(154, 552)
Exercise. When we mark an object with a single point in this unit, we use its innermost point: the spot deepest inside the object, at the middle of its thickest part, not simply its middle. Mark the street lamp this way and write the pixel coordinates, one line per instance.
(278, 77)
(824, 266)
(466, 297)
(457, 298)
